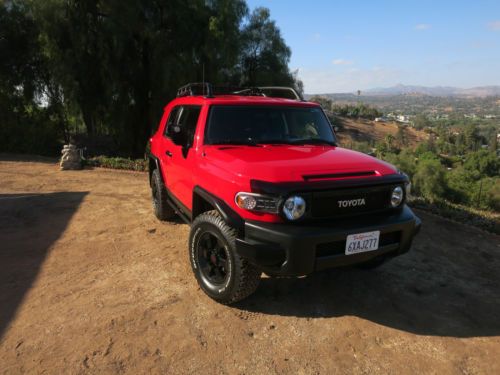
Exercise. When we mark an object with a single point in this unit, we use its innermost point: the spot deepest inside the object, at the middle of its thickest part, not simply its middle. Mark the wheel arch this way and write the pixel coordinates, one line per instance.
(205, 201)
(153, 163)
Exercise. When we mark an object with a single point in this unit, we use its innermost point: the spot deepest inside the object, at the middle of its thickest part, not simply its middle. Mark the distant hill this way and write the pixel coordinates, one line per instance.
(482, 91)
(361, 130)
(472, 101)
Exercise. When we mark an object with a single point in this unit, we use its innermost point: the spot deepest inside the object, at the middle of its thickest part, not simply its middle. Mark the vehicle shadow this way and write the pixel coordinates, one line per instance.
(447, 285)
(29, 225)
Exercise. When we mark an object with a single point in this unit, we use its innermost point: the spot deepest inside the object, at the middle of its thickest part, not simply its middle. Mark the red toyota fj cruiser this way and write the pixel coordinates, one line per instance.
(258, 175)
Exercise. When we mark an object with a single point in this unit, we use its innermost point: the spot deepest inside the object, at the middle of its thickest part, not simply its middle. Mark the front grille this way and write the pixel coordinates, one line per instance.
(336, 203)
(338, 247)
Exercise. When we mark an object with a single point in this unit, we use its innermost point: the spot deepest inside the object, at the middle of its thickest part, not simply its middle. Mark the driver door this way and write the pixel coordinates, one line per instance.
(178, 157)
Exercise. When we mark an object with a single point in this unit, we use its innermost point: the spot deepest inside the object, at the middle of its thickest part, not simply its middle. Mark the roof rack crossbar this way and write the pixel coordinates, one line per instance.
(207, 90)
(271, 91)
(194, 88)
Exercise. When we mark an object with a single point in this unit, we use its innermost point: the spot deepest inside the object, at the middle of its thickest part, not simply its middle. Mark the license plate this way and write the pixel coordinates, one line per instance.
(362, 242)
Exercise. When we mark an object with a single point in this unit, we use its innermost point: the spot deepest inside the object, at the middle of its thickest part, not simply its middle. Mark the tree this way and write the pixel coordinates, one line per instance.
(404, 161)
(112, 65)
(321, 100)
(28, 121)
(429, 180)
(483, 163)
(421, 121)
(493, 143)
(265, 56)
(471, 137)
(492, 195)
(389, 143)
(401, 137)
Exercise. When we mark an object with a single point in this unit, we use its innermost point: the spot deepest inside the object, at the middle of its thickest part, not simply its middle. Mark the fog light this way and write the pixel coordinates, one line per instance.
(397, 196)
(294, 207)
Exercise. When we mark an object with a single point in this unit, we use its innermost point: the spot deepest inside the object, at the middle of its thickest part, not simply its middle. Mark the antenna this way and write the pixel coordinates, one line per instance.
(203, 79)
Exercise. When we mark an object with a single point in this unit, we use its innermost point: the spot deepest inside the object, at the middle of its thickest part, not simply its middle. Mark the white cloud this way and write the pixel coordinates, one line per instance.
(422, 26)
(342, 62)
(494, 25)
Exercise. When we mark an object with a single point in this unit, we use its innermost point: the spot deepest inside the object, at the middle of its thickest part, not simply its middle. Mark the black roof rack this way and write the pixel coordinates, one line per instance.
(206, 89)
(272, 92)
(197, 88)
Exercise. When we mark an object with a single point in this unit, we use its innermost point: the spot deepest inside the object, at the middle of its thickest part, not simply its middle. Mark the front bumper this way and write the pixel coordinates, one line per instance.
(295, 249)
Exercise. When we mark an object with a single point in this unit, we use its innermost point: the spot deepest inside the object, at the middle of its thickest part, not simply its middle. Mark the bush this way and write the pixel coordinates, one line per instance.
(492, 195)
(429, 179)
(483, 163)
(362, 147)
(461, 185)
(36, 136)
(404, 161)
(118, 163)
(476, 182)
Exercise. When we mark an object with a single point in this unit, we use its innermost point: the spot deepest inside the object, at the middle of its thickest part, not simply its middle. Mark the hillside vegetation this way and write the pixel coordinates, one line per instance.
(453, 164)
(354, 131)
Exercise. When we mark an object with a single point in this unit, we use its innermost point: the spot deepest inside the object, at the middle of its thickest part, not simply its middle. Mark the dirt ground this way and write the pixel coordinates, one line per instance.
(91, 283)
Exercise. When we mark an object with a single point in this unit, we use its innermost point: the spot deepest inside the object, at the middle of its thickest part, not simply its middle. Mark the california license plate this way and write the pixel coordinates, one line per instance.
(362, 242)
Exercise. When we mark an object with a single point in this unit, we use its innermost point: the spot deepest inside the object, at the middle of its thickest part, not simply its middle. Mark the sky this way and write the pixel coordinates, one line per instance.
(349, 45)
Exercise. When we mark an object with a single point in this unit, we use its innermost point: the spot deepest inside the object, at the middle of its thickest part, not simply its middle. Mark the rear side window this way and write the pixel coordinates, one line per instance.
(186, 117)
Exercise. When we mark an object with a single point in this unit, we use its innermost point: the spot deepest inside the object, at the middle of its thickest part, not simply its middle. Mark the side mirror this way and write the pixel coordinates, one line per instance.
(177, 135)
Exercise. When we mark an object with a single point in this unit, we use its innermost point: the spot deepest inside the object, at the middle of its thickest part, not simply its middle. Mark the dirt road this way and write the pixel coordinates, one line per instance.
(91, 283)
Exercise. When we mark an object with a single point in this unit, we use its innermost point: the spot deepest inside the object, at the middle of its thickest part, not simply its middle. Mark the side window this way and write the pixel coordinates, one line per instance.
(186, 118)
(171, 121)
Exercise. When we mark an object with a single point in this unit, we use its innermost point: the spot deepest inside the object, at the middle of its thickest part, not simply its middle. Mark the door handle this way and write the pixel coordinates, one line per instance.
(169, 154)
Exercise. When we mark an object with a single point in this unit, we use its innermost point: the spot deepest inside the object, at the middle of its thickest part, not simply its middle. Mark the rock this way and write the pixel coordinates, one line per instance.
(70, 159)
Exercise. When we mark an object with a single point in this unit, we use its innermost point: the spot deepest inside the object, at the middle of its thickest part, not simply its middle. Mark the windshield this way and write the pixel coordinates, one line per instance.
(273, 125)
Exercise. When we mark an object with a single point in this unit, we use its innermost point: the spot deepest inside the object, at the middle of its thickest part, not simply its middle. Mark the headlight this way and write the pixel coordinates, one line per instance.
(294, 207)
(397, 196)
(257, 202)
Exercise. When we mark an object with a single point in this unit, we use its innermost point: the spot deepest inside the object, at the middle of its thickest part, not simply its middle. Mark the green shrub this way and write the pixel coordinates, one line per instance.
(429, 179)
(362, 147)
(482, 163)
(404, 161)
(31, 136)
(118, 163)
(492, 195)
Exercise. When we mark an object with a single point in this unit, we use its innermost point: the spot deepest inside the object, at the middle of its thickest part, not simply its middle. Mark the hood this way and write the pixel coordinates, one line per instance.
(279, 163)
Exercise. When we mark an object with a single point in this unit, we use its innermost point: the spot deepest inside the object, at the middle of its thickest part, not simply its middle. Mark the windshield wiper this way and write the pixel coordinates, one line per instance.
(312, 141)
(232, 142)
(274, 142)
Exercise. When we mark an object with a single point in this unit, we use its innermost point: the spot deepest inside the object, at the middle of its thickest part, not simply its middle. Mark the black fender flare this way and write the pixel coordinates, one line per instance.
(228, 214)
(154, 163)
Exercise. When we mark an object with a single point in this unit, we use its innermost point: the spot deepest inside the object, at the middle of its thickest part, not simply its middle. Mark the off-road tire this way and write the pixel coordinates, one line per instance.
(161, 208)
(241, 278)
